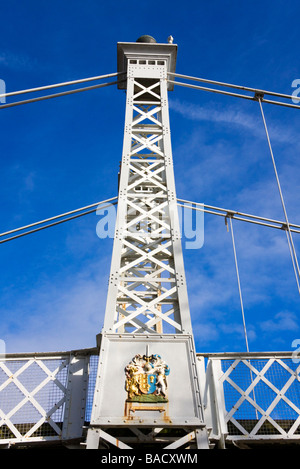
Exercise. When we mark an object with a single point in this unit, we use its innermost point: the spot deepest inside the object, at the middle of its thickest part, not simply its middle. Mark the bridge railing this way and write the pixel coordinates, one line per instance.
(252, 397)
(246, 397)
(43, 396)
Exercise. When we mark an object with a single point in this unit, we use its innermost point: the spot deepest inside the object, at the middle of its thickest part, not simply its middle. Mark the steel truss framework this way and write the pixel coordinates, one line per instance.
(147, 292)
(146, 276)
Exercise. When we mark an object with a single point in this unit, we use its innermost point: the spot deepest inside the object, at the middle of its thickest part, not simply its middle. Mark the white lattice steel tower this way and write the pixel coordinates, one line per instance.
(147, 387)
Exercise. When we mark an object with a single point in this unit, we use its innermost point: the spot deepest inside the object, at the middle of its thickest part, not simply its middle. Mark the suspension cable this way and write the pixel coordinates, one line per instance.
(66, 83)
(258, 93)
(280, 225)
(238, 280)
(293, 261)
(111, 201)
(230, 213)
(242, 304)
(292, 247)
(216, 211)
(56, 95)
(239, 87)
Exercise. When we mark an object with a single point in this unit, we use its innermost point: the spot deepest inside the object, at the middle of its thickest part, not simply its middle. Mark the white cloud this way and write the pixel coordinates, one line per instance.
(283, 321)
(14, 61)
(233, 116)
(57, 314)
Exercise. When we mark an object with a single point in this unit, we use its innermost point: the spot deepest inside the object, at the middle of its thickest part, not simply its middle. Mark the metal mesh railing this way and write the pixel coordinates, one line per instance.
(93, 365)
(261, 397)
(32, 397)
(255, 397)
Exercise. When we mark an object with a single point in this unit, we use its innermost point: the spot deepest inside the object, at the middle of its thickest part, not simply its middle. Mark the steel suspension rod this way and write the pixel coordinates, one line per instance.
(293, 251)
(66, 83)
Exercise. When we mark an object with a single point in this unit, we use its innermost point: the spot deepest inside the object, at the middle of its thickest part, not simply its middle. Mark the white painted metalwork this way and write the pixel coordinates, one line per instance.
(230, 85)
(257, 397)
(42, 397)
(57, 95)
(147, 302)
(224, 212)
(277, 224)
(247, 398)
(57, 85)
(147, 291)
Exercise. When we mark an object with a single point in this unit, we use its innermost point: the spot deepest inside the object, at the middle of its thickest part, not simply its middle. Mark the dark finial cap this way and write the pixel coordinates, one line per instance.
(146, 39)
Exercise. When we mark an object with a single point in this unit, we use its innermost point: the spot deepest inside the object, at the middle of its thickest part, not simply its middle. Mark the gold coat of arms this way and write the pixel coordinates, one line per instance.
(146, 379)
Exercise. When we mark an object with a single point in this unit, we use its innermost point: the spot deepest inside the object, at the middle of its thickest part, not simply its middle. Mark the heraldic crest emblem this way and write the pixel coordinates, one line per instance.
(146, 379)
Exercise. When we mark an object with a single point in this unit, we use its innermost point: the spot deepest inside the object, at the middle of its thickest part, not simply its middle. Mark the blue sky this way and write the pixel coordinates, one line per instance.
(64, 153)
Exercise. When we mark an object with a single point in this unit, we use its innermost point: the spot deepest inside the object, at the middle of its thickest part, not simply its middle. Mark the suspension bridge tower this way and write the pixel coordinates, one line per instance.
(147, 387)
